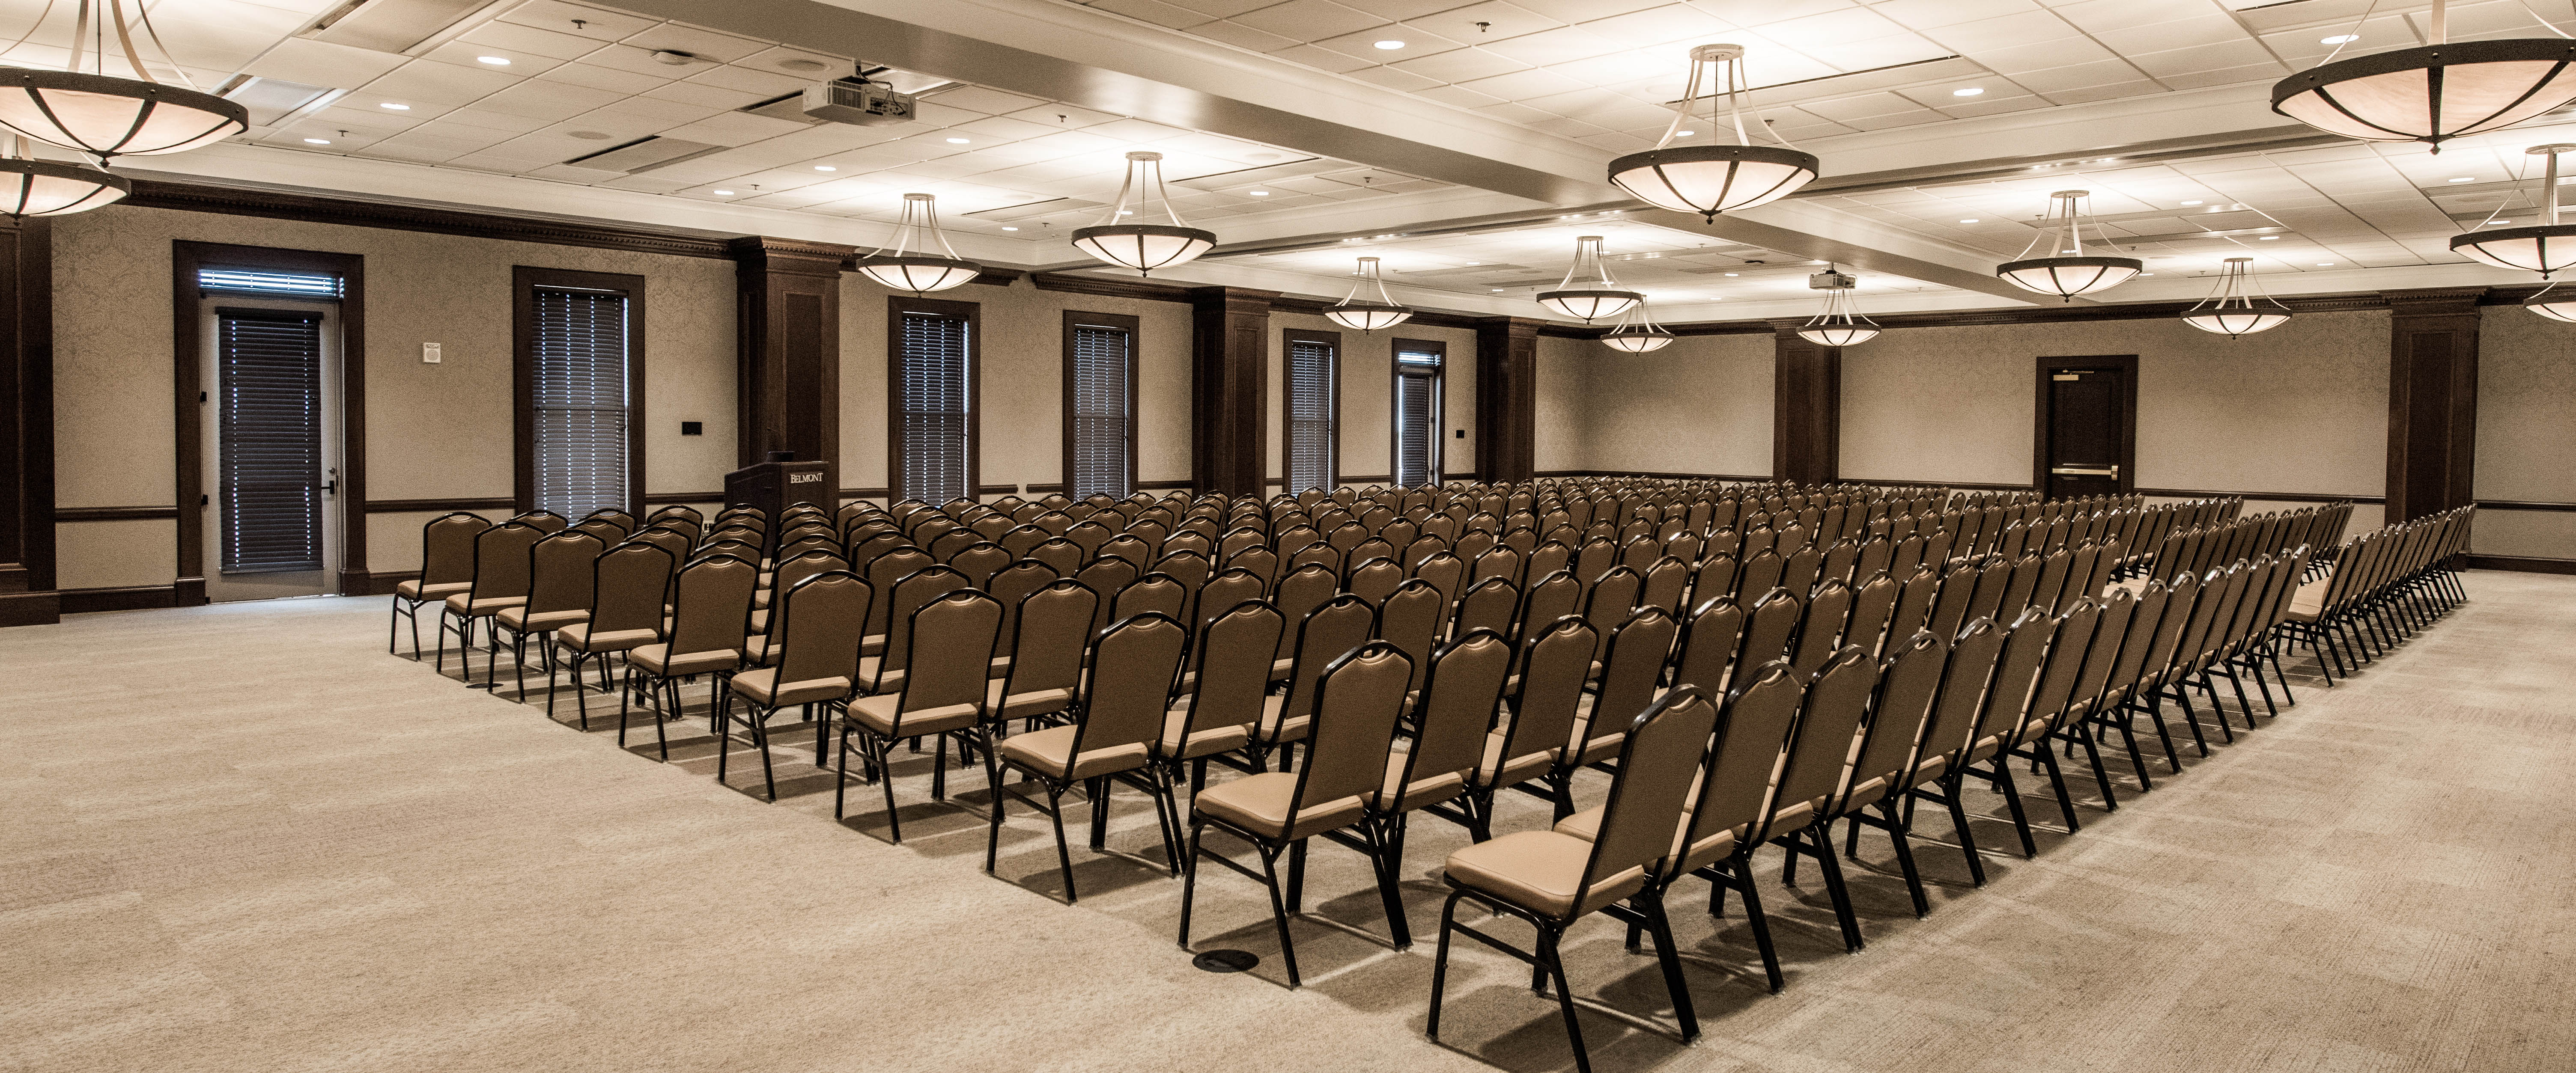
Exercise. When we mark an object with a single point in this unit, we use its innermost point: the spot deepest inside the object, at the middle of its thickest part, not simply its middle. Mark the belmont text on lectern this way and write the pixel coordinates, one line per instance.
(779, 483)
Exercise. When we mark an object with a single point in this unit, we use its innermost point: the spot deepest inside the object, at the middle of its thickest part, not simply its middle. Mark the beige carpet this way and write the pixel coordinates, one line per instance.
(244, 838)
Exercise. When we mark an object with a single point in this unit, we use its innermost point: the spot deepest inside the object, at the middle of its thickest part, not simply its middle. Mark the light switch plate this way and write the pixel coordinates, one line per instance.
(429, 353)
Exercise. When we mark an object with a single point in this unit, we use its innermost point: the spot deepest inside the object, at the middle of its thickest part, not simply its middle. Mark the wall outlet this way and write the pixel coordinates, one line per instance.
(429, 353)
(1462, 433)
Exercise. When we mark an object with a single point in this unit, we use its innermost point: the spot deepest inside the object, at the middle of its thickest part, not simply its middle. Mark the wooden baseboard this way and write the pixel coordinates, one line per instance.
(30, 608)
(380, 583)
(2522, 563)
(122, 598)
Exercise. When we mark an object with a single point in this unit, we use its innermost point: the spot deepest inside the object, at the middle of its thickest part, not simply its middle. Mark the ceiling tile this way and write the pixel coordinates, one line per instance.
(734, 128)
(1062, 116)
(1928, 14)
(321, 63)
(2260, 72)
(1323, 59)
(703, 96)
(549, 101)
(1658, 26)
(987, 101)
(749, 81)
(798, 63)
(1154, 11)
(1306, 20)
(1500, 21)
(614, 81)
(1241, 36)
(462, 54)
(2002, 31)
(596, 23)
(1554, 46)
(708, 44)
(445, 83)
(2245, 53)
(514, 37)
(1363, 45)
(1464, 65)
(1393, 78)
(1526, 84)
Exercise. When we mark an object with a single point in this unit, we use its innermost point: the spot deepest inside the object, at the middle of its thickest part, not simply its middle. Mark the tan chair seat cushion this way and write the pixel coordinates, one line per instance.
(760, 620)
(762, 687)
(580, 639)
(1430, 788)
(657, 659)
(1046, 751)
(1259, 804)
(1035, 702)
(1597, 749)
(877, 713)
(872, 645)
(890, 682)
(415, 591)
(1281, 668)
(1540, 871)
(518, 618)
(1207, 741)
(1491, 771)
(1272, 730)
(756, 650)
(457, 605)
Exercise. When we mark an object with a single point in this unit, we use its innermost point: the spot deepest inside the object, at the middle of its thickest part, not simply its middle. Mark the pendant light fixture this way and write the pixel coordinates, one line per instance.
(1637, 332)
(919, 272)
(1142, 246)
(2238, 307)
(1716, 177)
(2543, 248)
(106, 115)
(1588, 293)
(2557, 307)
(2432, 93)
(47, 188)
(2070, 272)
(1368, 316)
(1841, 323)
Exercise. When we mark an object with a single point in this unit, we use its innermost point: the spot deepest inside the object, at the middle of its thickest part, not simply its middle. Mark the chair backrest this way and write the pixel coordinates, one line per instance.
(1760, 573)
(1632, 666)
(1233, 655)
(1445, 572)
(883, 573)
(1769, 626)
(1666, 583)
(711, 604)
(1460, 694)
(1220, 595)
(1993, 581)
(545, 521)
(1913, 610)
(631, 582)
(1011, 585)
(1908, 682)
(501, 560)
(979, 561)
(1410, 619)
(1489, 604)
(1343, 623)
(1667, 747)
(2024, 583)
(800, 566)
(1500, 561)
(1872, 606)
(1158, 593)
(1064, 556)
(1837, 699)
(1300, 593)
(2016, 675)
(1611, 596)
(1374, 579)
(1358, 699)
(1551, 597)
(1135, 663)
(1713, 578)
(1051, 633)
(1546, 559)
(2064, 666)
(1708, 644)
(2110, 635)
(560, 571)
(1110, 574)
(952, 664)
(1554, 665)
(915, 591)
(819, 624)
(1820, 630)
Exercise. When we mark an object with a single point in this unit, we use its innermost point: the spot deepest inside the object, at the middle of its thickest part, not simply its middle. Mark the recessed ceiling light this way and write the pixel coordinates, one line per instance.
(961, 141)
(1969, 220)
(2325, 264)
(1260, 193)
(1130, 212)
(2466, 179)
(2339, 39)
(2190, 203)
(1684, 133)
(2498, 223)
(395, 107)
(1475, 262)
(2269, 238)
(496, 61)
(2066, 251)
(1968, 92)
(317, 141)
(1390, 44)
(2146, 273)
(1498, 290)
(724, 193)
(825, 167)
(674, 58)
(1010, 229)
(1735, 273)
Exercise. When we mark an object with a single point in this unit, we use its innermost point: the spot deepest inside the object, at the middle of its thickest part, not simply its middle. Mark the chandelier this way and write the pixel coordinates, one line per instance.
(107, 115)
(2555, 307)
(1368, 316)
(920, 272)
(47, 188)
(2530, 249)
(1588, 293)
(2071, 273)
(1841, 324)
(2231, 310)
(1637, 332)
(1713, 178)
(2432, 93)
(1143, 247)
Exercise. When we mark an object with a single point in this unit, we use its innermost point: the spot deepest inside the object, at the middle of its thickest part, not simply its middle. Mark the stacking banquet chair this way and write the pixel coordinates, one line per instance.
(1487, 605)
(1359, 699)
(1829, 722)
(756, 648)
(559, 581)
(710, 614)
(500, 580)
(1124, 705)
(885, 671)
(1454, 723)
(629, 584)
(1224, 698)
(1909, 681)
(944, 693)
(1552, 879)
(1047, 634)
(1343, 623)
(446, 568)
(1632, 669)
(1986, 666)
(1546, 695)
(815, 652)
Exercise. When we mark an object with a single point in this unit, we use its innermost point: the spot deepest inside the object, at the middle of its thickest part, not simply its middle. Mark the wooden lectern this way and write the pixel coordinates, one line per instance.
(777, 484)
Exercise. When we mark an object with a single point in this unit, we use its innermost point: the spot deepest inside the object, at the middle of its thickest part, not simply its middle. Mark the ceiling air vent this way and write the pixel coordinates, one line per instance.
(644, 154)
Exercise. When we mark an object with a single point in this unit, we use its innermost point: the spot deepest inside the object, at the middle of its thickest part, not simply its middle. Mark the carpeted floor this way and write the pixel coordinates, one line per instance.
(244, 838)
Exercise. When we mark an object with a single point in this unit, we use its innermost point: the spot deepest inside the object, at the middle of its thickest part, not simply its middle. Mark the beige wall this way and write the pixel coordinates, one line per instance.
(2526, 432)
(433, 431)
(1702, 404)
(1366, 440)
(1021, 382)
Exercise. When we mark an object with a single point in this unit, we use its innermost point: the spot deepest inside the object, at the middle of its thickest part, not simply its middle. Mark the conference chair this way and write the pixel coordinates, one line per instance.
(709, 620)
(943, 693)
(1121, 713)
(821, 620)
(629, 585)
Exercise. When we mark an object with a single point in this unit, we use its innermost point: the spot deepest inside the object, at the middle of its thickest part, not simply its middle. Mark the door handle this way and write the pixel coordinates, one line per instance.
(2085, 471)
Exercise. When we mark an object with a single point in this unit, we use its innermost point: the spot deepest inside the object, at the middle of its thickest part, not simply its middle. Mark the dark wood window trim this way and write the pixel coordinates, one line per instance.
(187, 303)
(973, 312)
(1395, 406)
(2128, 366)
(1289, 337)
(524, 281)
(1135, 338)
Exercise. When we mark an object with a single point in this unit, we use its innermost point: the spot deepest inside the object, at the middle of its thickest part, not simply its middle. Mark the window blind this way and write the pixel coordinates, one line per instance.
(1417, 418)
(933, 413)
(269, 414)
(1100, 394)
(580, 439)
(280, 284)
(1310, 415)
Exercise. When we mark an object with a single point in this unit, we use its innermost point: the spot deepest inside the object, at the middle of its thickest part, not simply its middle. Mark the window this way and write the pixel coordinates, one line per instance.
(1417, 412)
(581, 372)
(1314, 408)
(1100, 404)
(268, 384)
(268, 284)
(931, 428)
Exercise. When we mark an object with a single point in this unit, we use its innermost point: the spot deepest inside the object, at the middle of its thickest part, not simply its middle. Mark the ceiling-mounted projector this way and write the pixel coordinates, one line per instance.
(857, 101)
(1830, 280)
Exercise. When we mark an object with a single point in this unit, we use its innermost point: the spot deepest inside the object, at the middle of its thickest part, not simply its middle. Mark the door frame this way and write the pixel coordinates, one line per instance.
(2041, 412)
(1439, 378)
(188, 387)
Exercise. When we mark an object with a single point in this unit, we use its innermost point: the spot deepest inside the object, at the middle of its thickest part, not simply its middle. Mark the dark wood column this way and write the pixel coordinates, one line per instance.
(1506, 398)
(27, 595)
(1230, 390)
(789, 324)
(2432, 399)
(1806, 407)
